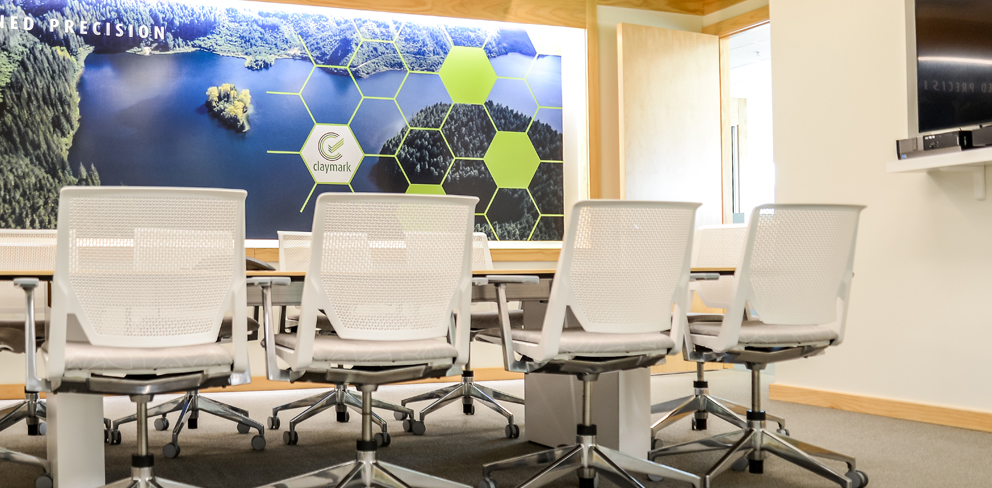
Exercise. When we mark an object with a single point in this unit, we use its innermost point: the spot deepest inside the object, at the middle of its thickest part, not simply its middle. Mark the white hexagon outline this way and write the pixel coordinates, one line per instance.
(354, 154)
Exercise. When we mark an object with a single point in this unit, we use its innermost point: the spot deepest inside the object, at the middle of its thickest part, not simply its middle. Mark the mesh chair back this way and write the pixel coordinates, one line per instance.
(389, 267)
(294, 250)
(481, 257)
(798, 261)
(624, 264)
(718, 246)
(150, 267)
(24, 250)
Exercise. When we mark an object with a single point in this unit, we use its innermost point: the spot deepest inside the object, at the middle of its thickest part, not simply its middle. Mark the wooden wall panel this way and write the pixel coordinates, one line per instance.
(669, 88)
(691, 7)
(740, 23)
(568, 13)
(710, 6)
(592, 79)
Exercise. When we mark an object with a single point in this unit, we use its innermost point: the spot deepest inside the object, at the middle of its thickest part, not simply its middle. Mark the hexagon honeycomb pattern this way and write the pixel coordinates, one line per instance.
(437, 109)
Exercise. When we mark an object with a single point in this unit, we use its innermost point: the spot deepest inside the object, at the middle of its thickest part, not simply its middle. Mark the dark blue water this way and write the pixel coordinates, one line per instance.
(332, 98)
(552, 117)
(512, 65)
(375, 122)
(143, 122)
(421, 90)
(545, 80)
(515, 95)
(383, 84)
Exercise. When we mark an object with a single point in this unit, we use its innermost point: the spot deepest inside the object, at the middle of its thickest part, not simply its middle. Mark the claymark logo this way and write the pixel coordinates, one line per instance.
(332, 154)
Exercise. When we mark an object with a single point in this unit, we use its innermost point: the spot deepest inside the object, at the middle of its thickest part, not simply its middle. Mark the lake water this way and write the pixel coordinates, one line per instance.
(143, 122)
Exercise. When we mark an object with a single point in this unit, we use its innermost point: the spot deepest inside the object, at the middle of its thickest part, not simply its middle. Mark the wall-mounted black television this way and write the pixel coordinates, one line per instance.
(954, 63)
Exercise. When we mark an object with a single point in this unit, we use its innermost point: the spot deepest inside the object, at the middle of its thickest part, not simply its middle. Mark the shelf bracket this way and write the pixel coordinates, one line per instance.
(977, 174)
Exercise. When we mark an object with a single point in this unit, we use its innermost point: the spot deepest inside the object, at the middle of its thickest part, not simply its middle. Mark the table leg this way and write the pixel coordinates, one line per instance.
(75, 440)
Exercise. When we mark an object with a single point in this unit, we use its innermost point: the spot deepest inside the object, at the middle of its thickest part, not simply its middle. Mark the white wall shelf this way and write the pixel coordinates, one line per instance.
(971, 161)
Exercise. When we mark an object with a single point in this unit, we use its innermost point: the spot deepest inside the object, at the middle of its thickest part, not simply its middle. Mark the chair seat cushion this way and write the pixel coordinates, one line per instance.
(334, 349)
(293, 315)
(12, 339)
(578, 341)
(490, 319)
(704, 317)
(227, 329)
(756, 332)
(82, 356)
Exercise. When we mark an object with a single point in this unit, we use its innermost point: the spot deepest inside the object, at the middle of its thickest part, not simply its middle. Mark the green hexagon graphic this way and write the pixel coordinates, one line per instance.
(468, 75)
(512, 160)
(332, 154)
(426, 189)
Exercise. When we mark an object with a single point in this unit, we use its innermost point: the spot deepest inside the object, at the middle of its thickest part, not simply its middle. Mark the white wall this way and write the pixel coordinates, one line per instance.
(919, 321)
(608, 18)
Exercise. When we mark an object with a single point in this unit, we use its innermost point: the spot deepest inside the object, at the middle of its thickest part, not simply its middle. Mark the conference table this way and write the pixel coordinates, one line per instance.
(75, 428)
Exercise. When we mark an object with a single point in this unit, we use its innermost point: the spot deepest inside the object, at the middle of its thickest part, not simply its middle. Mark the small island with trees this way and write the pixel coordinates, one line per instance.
(230, 106)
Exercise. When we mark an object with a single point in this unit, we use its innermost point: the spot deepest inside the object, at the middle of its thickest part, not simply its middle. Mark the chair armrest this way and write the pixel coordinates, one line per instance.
(272, 371)
(31, 381)
(520, 279)
(480, 281)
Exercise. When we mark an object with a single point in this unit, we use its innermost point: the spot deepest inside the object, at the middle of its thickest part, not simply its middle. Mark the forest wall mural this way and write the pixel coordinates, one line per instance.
(285, 102)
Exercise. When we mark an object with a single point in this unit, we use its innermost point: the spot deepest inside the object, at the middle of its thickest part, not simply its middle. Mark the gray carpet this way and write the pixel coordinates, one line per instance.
(894, 453)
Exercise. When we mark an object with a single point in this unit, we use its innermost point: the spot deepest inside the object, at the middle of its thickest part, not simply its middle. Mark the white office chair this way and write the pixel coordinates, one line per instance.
(25, 343)
(23, 250)
(468, 390)
(143, 280)
(718, 246)
(294, 255)
(388, 271)
(623, 277)
(795, 272)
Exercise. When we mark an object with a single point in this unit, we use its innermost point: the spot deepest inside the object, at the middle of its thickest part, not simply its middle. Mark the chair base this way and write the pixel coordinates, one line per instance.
(468, 391)
(145, 478)
(341, 400)
(44, 480)
(700, 405)
(366, 472)
(190, 405)
(586, 458)
(32, 410)
(746, 449)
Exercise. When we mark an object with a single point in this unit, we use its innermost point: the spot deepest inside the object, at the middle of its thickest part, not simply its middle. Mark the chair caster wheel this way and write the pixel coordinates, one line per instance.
(243, 428)
(589, 482)
(858, 478)
(488, 483)
(698, 424)
(656, 444)
(290, 438)
(273, 423)
(193, 423)
(468, 409)
(414, 426)
(740, 465)
(399, 415)
(171, 450)
(783, 431)
(113, 437)
(161, 424)
(344, 416)
(42, 428)
(44, 481)
(258, 442)
(512, 431)
(756, 466)
(383, 439)
(655, 478)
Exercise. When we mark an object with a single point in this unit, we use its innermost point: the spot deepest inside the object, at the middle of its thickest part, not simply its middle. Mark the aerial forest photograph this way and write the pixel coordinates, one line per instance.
(181, 93)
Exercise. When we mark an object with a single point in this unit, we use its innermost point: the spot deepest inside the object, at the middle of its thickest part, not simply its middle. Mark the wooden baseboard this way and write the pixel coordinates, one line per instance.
(884, 407)
(261, 383)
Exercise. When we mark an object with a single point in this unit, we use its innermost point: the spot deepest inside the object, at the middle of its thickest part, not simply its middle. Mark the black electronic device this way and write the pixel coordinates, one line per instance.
(959, 139)
(981, 137)
(954, 75)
